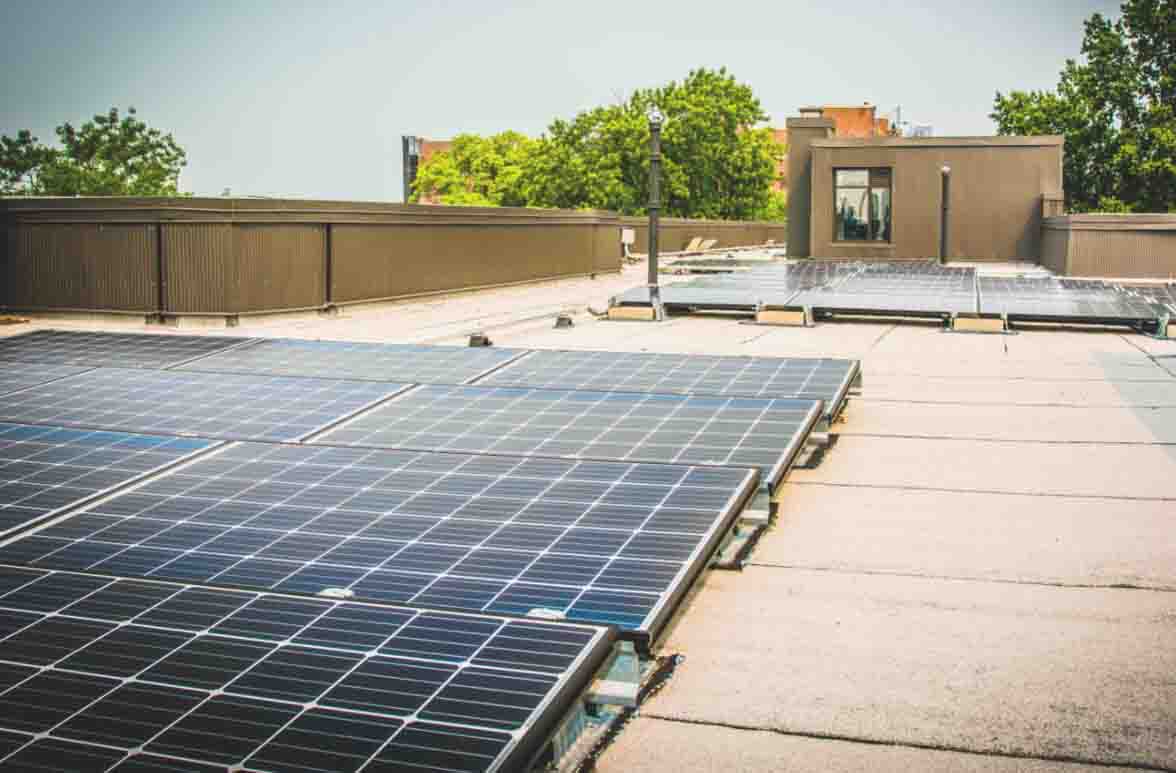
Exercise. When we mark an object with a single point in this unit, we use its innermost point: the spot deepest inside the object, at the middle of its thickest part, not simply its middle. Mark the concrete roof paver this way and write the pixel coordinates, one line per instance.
(1047, 424)
(1050, 672)
(1073, 469)
(985, 536)
(995, 391)
(657, 745)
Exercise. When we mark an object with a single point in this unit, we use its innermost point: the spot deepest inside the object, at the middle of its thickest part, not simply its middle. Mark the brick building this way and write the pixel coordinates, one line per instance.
(850, 121)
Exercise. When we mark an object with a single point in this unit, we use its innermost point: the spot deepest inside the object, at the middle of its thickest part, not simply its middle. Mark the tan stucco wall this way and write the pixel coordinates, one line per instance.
(996, 189)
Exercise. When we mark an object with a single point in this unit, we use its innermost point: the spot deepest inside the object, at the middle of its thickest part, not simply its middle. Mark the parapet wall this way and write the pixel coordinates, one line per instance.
(187, 256)
(1112, 246)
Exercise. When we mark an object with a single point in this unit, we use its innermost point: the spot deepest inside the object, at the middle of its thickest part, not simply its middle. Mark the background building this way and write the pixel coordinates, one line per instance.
(417, 151)
(848, 121)
(878, 197)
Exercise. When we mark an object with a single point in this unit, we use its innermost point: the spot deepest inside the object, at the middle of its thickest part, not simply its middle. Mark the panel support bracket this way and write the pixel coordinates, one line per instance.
(978, 323)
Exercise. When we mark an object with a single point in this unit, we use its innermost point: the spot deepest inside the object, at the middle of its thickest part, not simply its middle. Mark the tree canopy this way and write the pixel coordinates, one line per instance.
(1117, 110)
(110, 155)
(716, 162)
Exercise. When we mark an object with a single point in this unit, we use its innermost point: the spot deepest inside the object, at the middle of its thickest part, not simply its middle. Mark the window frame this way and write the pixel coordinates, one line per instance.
(869, 203)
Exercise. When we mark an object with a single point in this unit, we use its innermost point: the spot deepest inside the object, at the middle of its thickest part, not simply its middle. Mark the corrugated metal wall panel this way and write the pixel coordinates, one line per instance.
(222, 268)
(1055, 247)
(389, 261)
(1123, 253)
(85, 266)
(280, 266)
(199, 271)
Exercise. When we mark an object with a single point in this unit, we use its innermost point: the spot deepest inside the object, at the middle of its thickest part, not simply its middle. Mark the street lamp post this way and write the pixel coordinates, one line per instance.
(655, 124)
(944, 211)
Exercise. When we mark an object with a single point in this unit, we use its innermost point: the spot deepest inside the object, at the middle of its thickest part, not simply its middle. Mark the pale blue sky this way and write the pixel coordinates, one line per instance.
(310, 100)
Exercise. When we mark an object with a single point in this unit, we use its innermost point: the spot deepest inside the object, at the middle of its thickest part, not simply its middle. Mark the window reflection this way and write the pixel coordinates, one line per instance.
(861, 201)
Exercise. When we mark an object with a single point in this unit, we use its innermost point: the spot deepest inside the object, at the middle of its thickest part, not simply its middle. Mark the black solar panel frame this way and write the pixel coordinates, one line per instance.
(644, 638)
(528, 747)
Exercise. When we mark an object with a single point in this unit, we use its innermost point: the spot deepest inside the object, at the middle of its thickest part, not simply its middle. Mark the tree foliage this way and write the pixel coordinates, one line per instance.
(1117, 110)
(477, 171)
(110, 155)
(716, 162)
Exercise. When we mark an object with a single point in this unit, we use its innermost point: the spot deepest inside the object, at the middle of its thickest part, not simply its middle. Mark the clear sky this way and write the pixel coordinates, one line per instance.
(277, 97)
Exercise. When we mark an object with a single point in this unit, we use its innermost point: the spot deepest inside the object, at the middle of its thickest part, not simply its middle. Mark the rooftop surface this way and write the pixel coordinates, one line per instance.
(981, 576)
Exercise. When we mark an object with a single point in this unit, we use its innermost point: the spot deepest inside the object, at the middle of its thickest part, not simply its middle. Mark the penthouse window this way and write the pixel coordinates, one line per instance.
(861, 205)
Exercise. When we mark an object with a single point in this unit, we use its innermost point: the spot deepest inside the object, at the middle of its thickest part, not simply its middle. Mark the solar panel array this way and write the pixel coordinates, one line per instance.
(203, 404)
(630, 426)
(363, 361)
(174, 600)
(1062, 299)
(774, 284)
(44, 470)
(828, 380)
(914, 288)
(124, 350)
(598, 542)
(112, 674)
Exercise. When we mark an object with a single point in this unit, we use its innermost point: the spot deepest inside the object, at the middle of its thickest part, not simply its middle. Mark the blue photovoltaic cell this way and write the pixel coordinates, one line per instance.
(46, 469)
(598, 542)
(201, 404)
(417, 363)
(622, 426)
(793, 377)
(20, 375)
(112, 674)
(121, 350)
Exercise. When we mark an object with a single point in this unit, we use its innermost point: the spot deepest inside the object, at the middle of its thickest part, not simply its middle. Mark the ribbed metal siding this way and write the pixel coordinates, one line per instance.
(280, 266)
(389, 261)
(1055, 246)
(1123, 252)
(229, 269)
(81, 266)
(198, 268)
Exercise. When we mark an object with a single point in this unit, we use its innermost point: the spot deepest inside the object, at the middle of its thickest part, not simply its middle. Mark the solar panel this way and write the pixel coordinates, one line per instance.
(365, 361)
(20, 375)
(612, 543)
(1050, 299)
(1163, 296)
(44, 470)
(124, 350)
(828, 380)
(623, 426)
(114, 674)
(201, 404)
(916, 287)
(774, 283)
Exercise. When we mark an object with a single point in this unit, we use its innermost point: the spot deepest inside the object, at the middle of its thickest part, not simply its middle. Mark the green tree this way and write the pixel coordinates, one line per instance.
(1117, 111)
(110, 155)
(716, 162)
(476, 171)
